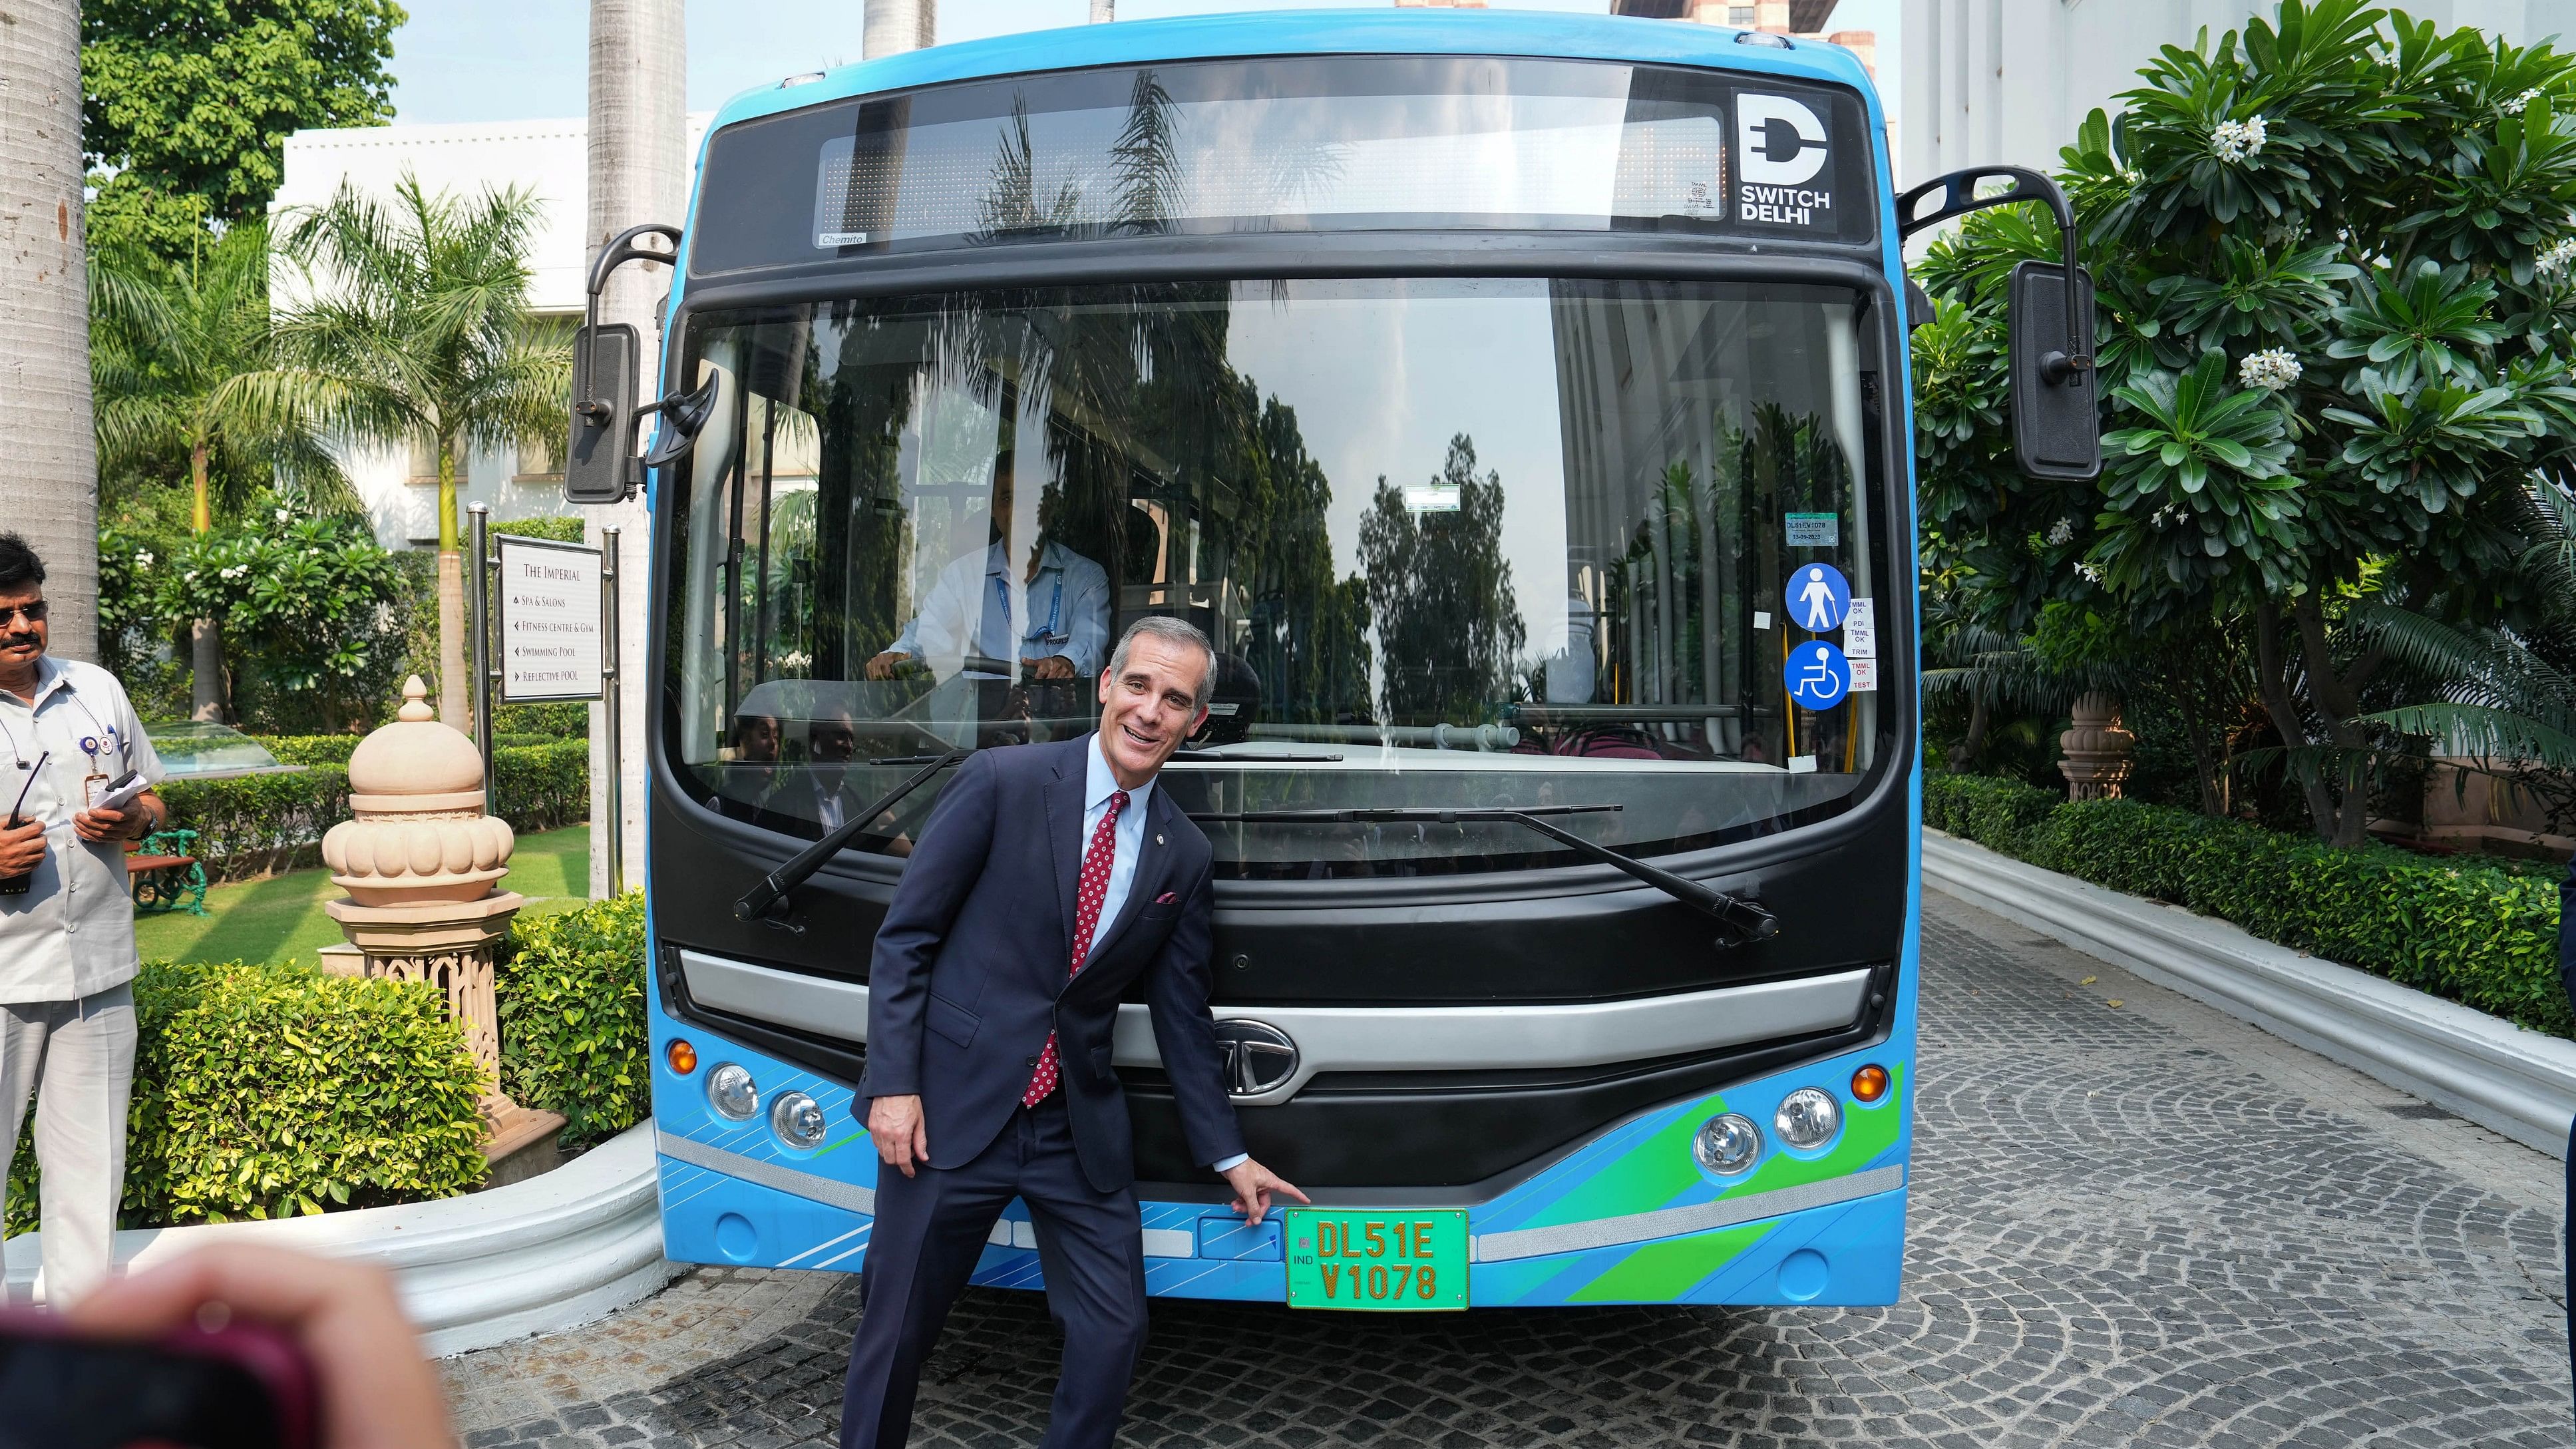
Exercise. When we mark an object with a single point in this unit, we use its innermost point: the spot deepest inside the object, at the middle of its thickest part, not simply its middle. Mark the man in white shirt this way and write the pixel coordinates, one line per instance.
(1051, 613)
(67, 959)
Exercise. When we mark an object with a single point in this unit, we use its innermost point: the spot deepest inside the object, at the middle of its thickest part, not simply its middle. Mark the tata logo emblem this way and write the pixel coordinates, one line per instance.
(1259, 1057)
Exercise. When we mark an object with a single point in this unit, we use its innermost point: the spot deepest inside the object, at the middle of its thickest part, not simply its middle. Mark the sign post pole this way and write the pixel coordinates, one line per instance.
(612, 715)
(480, 626)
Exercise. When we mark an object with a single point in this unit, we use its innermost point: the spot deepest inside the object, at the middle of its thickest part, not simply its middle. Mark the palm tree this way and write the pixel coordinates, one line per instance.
(638, 172)
(417, 330)
(185, 364)
(49, 491)
(2509, 698)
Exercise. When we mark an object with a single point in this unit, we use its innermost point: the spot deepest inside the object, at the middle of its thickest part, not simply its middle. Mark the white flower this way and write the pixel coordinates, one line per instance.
(2091, 574)
(2061, 532)
(2273, 370)
(283, 515)
(143, 558)
(2514, 107)
(2557, 257)
(2233, 141)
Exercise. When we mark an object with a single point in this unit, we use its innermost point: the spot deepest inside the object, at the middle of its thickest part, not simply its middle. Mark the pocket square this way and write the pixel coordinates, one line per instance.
(1166, 898)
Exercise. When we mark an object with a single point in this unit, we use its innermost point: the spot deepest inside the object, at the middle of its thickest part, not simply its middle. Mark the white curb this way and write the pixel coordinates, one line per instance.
(2520, 1083)
(538, 1256)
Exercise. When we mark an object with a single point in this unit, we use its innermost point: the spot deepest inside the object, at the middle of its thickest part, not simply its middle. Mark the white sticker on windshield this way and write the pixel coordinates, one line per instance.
(1802, 764)
(1864, 675)
(1762, 618)
(1860, 641)
(1780, 150)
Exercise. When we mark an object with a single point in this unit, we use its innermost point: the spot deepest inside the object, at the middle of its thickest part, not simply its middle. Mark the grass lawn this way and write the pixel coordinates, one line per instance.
(280, 918)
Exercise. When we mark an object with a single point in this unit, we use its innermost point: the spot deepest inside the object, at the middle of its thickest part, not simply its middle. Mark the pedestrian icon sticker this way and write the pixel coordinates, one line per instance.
(1818, 598)
(1817, 675)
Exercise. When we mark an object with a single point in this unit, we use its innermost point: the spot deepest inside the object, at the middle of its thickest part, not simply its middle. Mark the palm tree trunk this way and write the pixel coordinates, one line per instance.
(205, 645)
(49, 490)
(639, 172)
(453, 707)
(894, 26)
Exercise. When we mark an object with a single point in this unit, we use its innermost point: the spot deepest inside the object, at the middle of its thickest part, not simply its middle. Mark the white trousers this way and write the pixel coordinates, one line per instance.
(77, 1057)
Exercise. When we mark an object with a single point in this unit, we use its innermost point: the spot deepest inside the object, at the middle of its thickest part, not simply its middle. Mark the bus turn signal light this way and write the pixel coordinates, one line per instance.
(682, 1056)
(1869, 1084)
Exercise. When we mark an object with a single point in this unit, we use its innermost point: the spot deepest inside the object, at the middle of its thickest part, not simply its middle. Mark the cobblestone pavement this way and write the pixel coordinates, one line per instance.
(2135, 1222)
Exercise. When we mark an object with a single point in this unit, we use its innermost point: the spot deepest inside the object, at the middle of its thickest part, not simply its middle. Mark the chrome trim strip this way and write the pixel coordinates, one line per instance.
(1376, 1039)
(812, 1186)
(850, 1197)
(1675, 1222)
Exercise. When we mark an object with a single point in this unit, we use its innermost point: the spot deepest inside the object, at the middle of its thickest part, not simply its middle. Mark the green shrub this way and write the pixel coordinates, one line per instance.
(311, 749)
(252, 825)
(572, 1017)
(542, 787)
(278, 1091)
(2484, 935)
(546, 721)
(1995, 813)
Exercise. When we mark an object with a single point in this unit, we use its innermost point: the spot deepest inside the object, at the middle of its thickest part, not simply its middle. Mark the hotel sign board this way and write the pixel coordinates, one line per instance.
(551, 621)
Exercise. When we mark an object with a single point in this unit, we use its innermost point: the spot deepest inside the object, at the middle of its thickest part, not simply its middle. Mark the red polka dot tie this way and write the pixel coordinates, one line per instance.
(1096, 860)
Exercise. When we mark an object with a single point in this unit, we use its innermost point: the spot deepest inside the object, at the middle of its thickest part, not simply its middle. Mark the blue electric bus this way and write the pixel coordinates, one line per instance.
(1520, 404)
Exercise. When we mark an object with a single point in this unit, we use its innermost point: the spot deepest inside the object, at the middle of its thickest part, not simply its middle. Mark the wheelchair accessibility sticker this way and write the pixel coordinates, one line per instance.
(1816, 675)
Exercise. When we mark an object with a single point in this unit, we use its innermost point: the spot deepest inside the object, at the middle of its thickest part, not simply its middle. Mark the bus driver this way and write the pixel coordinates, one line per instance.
(1053, 618)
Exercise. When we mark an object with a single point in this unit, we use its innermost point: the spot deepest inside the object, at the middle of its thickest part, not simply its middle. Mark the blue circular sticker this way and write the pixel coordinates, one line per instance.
(1817, 597)
(1816, 674)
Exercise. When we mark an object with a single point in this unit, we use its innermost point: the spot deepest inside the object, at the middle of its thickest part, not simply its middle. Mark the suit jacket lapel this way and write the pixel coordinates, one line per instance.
(1153, 864)
(1064, 837)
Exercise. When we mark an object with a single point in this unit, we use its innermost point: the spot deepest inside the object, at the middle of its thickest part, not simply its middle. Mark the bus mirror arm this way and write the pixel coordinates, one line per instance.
(1959, 197)
(1745, 921)
(767, 900)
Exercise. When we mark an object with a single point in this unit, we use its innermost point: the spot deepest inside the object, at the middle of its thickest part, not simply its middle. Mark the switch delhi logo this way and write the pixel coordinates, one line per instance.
(1780, 147)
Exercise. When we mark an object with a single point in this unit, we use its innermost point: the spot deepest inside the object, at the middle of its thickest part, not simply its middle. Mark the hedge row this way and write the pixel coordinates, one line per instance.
(266, 1091)
(254, 824)
(271, 1091)
(572, 1018)
(336, 749)
(2483, 935)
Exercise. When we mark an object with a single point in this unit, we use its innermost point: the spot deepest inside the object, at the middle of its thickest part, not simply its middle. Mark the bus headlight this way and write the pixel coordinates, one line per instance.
(1727, 1143)
(798, 1120)
(1808, 1117)
(731, 1093)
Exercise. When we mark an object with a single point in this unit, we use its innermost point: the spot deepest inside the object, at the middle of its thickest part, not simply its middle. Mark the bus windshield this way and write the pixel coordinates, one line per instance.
(1459, 543)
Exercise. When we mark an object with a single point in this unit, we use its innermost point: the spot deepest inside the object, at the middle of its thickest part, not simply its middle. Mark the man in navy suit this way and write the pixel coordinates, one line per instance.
(1048, 879)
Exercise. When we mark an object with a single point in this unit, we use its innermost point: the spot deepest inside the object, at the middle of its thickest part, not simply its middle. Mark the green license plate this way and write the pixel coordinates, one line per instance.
(1390, 1261)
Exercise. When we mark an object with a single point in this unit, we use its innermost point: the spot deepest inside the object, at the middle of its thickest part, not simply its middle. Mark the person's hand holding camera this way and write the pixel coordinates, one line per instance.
(377, 1391)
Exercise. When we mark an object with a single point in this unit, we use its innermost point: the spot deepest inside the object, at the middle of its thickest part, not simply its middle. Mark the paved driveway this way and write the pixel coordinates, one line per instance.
(2135, 1222)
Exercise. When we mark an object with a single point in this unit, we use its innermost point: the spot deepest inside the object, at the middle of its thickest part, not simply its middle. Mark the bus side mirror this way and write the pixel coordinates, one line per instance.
(598, 463)
(2056, 410)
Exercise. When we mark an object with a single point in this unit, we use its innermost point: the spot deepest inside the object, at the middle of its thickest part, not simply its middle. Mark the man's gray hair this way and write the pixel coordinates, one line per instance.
(1171, 631)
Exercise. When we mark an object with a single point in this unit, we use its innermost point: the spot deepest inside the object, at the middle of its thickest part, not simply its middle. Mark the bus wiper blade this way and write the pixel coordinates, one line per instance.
(1744, 920)
(775, 886)
(1237, 757)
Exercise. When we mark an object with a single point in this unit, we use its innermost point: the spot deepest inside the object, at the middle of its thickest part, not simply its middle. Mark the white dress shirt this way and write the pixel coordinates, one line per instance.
(1126, 844)
(980, 604)
(72, 934)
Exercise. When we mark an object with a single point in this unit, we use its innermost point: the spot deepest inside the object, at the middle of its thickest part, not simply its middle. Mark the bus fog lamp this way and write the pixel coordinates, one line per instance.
(1727, 1144)
(1808, 1117)
(731, 1093)
(1869, 1083)
(798, 1120)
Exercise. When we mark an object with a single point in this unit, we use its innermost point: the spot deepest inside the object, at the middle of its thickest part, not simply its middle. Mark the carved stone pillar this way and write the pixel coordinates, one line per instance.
(2097, 750)
(421, 863)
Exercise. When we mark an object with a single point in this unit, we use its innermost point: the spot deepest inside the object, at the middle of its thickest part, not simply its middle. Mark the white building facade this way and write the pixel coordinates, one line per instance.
(2009, 81)
(547, 159)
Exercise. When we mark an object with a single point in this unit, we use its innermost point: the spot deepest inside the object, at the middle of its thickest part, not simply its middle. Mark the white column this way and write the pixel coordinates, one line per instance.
(895, 26)
(639, 171)
(49, 482)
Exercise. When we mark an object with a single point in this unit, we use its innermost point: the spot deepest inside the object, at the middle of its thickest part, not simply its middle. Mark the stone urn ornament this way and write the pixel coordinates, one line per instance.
(2097, 749)
(421, 864)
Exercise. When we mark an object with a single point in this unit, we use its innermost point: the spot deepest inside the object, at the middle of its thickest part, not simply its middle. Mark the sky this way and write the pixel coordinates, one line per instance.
(516, 60)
